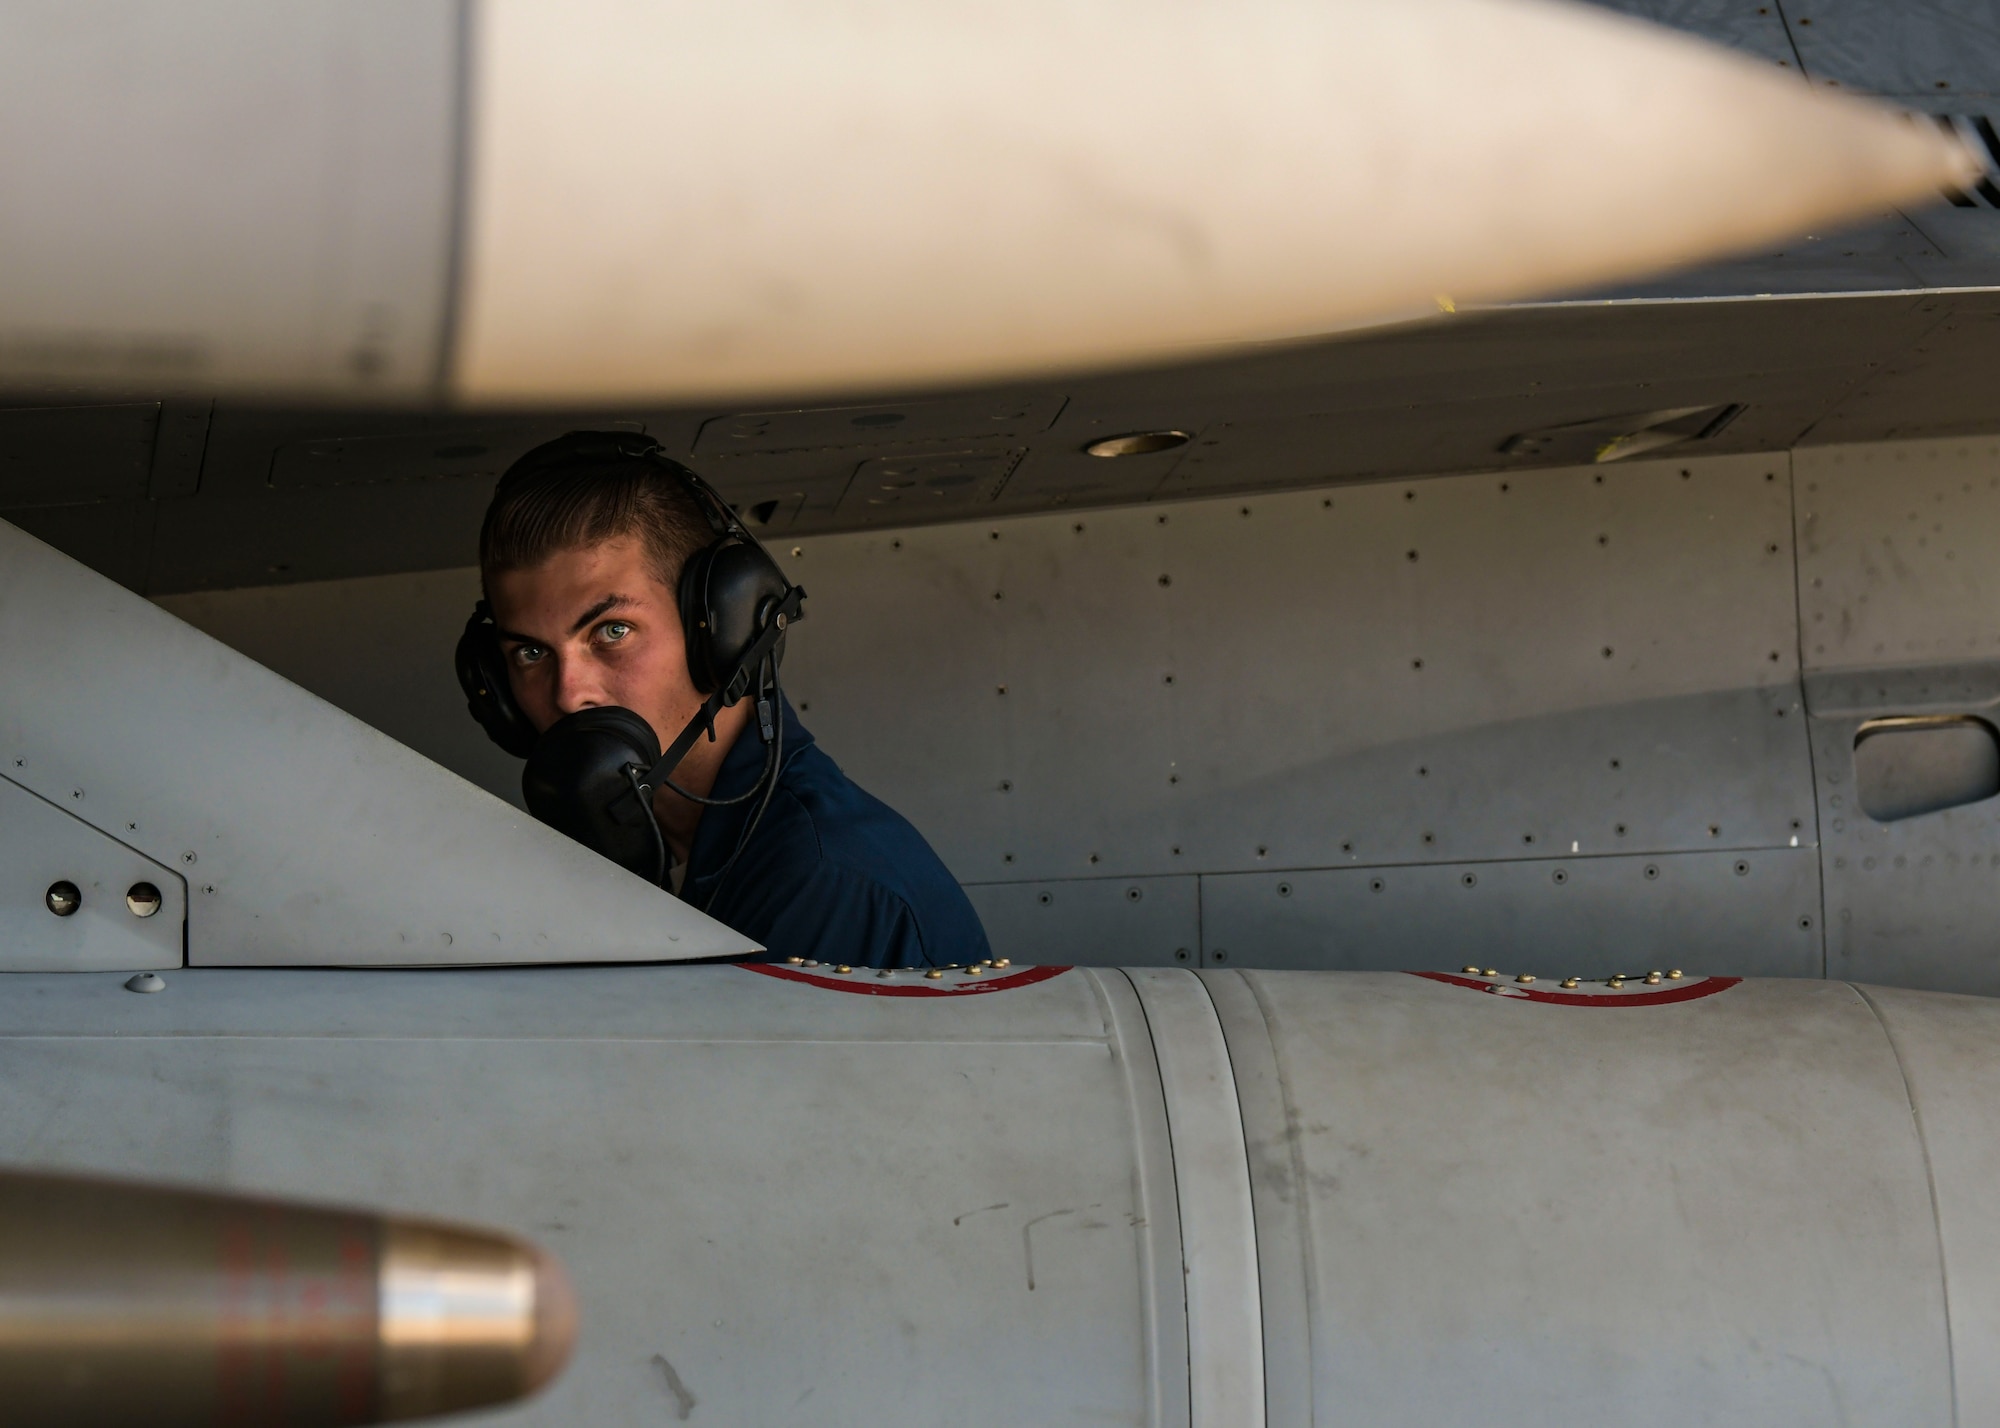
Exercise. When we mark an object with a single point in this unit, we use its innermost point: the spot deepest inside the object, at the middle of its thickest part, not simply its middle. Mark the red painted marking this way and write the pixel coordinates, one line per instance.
(1513, 991)
(864, 981)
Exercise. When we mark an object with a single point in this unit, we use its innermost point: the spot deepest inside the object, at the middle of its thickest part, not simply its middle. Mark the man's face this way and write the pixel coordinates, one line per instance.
(590, 627)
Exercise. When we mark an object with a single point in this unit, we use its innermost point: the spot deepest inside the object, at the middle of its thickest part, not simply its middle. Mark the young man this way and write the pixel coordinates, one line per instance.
(581, 561)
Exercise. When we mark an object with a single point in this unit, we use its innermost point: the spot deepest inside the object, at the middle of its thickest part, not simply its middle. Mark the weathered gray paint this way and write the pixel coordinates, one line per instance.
(820, 1207)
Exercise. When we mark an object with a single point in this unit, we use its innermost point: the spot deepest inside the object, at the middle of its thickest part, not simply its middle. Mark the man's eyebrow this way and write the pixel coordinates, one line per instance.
(608, 603)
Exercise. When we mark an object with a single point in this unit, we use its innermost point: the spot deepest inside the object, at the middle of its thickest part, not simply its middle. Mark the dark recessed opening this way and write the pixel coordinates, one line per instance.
(1907, 766)
(1138, 443)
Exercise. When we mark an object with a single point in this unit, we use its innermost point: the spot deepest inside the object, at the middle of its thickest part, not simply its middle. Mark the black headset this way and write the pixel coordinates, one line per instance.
(591, 774)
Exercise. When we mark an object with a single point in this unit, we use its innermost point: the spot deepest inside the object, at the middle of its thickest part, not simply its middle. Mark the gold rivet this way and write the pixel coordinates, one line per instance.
(934, 974)
(794, 961)
(1615, 982)
(1652, 979)
(972, 971)
(1525, 977)
(1675, 975)
(1002, 962)
(843, 969)
(886, 972)
(1470, 971)
(1656, 972)
(1491, 973)
(1569, 981)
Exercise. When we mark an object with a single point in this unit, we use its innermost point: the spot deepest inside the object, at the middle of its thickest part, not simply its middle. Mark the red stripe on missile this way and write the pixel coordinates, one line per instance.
(875, 986)
(1685, 992)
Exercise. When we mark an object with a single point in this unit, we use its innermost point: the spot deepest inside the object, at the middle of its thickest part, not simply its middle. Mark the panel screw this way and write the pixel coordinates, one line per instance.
(142, 899)
(1470, 880)
(1221, 954)
(63, 898)
(1045, 898)
(1284, 889)
(145, 982)
(1182, 954)
(1742, 868)
(1374, 885)
(1652, 870)
(1133, 894)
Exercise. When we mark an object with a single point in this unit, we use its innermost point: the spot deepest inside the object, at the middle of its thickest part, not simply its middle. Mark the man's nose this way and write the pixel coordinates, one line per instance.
(578, 686)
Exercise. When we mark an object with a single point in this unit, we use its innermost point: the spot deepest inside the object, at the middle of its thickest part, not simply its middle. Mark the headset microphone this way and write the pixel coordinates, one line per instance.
(592, 774)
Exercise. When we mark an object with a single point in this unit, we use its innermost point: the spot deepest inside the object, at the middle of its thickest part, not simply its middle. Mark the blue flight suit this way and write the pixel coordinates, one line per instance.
(831, 873)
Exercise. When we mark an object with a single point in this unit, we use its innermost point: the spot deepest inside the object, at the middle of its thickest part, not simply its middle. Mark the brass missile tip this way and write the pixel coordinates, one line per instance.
(467, 1319)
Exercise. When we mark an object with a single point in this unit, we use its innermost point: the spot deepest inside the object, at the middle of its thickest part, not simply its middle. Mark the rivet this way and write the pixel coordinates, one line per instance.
(1652, 979)
(886, 973)
(1525, 977)
(1569, 981)
(1491, 973)
(934, 974)
(145, 982)
(795, 961)
(809, 963)
(142, 899)
(1002, 962)
(1615, 982)
(63, 898)
(1470, 971)
(1675, 975)
(843, 969)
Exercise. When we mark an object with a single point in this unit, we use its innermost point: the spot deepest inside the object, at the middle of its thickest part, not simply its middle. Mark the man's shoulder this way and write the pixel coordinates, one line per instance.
(829, 854)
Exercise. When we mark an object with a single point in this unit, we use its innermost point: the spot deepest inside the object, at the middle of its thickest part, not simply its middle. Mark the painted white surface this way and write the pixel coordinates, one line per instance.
(693, 200)
(305, 836)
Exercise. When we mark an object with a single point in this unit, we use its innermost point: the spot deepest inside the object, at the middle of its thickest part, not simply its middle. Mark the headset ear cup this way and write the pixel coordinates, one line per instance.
(726, 594)
(489, 698)
(697, 633)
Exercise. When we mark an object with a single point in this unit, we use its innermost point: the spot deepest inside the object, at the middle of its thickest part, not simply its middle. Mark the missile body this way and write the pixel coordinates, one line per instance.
(501, 201)
(1013, 1195)
(124, 1303)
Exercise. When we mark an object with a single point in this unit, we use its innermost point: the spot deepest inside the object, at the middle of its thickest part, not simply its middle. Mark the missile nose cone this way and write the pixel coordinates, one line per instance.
(123, 1302)
(467, 1319)
(555, 1323)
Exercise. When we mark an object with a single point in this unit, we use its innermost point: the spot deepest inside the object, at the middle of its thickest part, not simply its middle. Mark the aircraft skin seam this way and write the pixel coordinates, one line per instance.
(1158, 990)
(1805, 714)
(1930, 1184)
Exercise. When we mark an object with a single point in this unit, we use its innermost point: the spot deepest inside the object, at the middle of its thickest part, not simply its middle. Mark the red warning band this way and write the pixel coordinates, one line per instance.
(1642, 995)
(908, 982)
